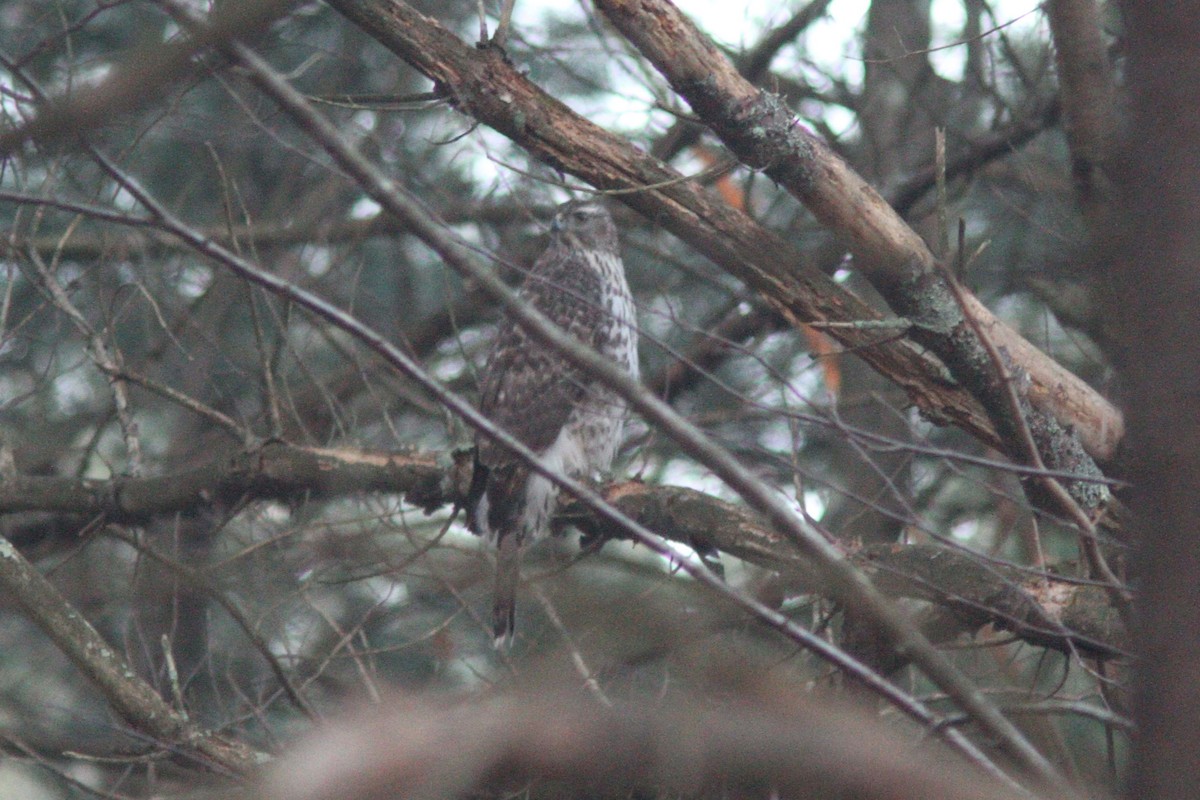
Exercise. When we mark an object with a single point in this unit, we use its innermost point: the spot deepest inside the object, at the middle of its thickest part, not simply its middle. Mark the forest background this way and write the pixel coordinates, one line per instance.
(908, 503)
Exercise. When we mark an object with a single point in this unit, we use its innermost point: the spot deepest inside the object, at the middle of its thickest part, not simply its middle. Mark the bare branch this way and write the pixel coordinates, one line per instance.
(84, 245)
(106, 360)
(1044, 609)
(134, 699)
(272, 471)
(765, 135)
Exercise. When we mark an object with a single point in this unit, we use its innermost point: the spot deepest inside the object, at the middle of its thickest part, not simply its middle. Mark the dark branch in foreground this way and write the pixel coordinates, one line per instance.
(683, 745)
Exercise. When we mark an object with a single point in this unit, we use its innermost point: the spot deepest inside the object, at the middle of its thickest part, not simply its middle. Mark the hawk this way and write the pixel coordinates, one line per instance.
(570, 419)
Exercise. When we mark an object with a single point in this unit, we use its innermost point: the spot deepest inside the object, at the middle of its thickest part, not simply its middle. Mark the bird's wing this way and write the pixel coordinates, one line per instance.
(528, 389)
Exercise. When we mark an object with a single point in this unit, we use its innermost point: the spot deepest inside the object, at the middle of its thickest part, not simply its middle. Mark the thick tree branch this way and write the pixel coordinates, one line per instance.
(1044, 610)
(274, 471)
(753, 64)
(764, 134)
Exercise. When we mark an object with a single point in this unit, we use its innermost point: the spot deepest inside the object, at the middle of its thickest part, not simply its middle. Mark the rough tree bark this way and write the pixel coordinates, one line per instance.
(1154, 300)
(765, 134)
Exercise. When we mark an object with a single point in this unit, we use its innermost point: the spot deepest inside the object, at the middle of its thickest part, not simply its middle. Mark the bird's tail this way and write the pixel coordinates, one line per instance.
(504, 598)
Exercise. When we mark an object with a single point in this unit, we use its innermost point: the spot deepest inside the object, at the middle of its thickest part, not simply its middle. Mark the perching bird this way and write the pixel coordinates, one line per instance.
(558, 411)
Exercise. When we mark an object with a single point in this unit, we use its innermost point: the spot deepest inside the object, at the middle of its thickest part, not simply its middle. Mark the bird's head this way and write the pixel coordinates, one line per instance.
(586, 224)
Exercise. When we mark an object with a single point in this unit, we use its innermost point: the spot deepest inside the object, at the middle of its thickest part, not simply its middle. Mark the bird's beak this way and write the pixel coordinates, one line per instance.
(556, 224)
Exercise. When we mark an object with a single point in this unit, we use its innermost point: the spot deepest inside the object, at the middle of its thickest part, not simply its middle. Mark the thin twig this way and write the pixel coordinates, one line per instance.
(105, 360)
(198, 580)
(585, 672)
(236, 430)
